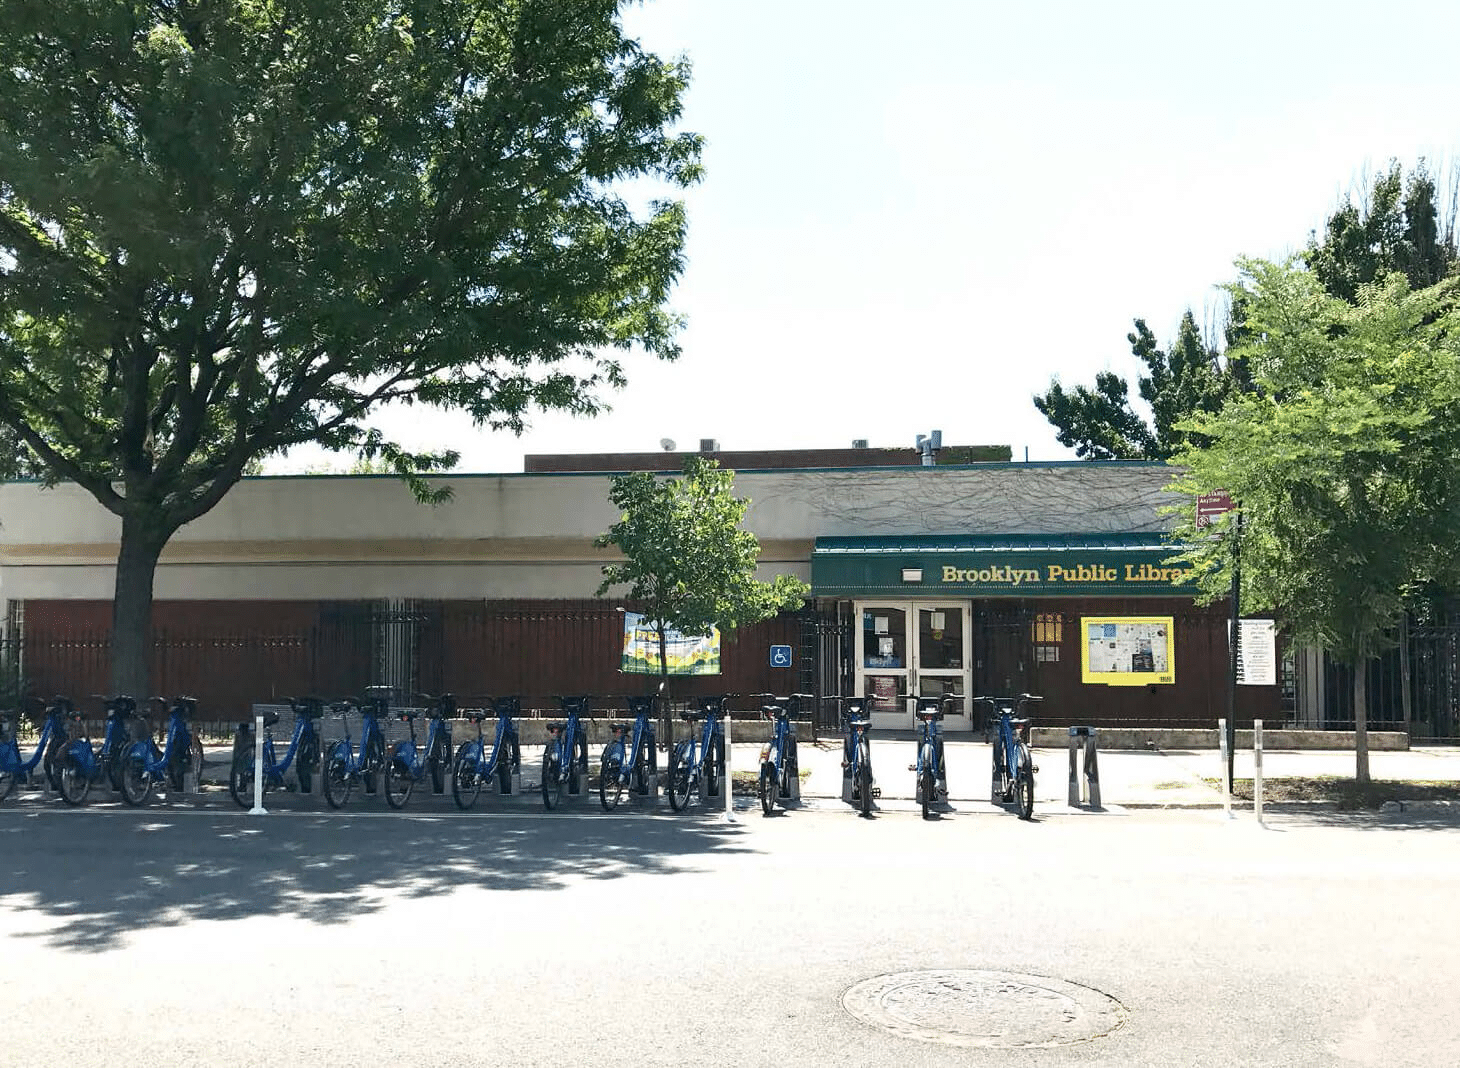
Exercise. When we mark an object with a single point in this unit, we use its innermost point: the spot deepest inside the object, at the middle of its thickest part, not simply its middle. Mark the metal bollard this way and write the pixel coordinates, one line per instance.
(258, 766)
(1086, 764)
(725, 779)
(1226, 779)
(1257, 768)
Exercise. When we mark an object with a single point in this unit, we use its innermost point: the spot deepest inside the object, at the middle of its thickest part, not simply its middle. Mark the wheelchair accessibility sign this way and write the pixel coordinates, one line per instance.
(780, 656)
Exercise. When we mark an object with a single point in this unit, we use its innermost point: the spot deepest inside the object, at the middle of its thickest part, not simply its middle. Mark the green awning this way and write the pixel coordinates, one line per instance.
(1008, 565)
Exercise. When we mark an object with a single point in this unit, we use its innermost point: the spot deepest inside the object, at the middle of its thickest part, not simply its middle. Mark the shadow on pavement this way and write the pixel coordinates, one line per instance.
(98, 873)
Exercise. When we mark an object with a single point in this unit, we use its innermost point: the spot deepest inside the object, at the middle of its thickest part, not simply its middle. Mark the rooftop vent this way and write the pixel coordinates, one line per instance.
(859, 443)
(709, 445)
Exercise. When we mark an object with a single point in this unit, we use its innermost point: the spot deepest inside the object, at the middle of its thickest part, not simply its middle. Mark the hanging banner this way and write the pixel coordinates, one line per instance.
(687, 654)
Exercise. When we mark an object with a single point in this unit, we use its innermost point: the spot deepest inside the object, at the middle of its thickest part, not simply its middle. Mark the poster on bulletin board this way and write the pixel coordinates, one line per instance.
(1127, 650)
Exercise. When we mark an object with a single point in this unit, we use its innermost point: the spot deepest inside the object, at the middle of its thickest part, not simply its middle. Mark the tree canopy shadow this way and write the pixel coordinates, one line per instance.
(101, 873)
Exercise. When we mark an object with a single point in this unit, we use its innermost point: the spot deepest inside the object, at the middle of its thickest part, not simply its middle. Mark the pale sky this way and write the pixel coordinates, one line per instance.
(916, 213)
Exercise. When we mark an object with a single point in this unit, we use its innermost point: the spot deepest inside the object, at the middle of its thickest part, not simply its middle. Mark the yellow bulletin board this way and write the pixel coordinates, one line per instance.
(1127, 650)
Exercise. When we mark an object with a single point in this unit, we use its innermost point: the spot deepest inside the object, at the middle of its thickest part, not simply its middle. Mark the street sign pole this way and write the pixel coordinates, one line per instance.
(1235, 643)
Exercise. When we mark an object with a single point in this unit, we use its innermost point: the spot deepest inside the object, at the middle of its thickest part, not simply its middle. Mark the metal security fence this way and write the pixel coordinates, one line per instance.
(470, 649)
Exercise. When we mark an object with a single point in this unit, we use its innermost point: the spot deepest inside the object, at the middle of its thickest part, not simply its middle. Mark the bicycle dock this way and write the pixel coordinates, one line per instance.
(1084, 774)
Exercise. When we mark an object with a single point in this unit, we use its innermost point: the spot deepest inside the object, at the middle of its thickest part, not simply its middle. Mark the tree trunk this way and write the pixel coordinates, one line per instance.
(1361, 722)
(132, 608)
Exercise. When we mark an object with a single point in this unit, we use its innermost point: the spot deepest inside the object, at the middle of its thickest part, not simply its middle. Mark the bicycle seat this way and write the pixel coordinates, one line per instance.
(556, 726)
(860, 721)
(475, 715)
(271, 718)
(692, 715)
(507, 706)
(640, 706)
(308, 707)
(408, 715)
(619, 728)
(928, 714)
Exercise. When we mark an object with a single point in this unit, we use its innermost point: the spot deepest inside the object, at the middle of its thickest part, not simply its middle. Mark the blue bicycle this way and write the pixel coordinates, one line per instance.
(303, 752)
(345, 764)
(778, 764)
(475, 764)
(565, 757)
(408, 763)
(1014, 767)
(932, 773)
(858, 785)
(631, 755)
(48, 750)
(181, 754)
(703, 761)
(81, 764)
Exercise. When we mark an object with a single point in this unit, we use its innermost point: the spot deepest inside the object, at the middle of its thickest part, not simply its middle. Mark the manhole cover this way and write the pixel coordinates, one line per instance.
(993, 1010)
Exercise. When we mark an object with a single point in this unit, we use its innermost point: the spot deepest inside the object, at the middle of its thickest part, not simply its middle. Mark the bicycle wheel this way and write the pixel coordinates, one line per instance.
(926, 788)
(466, 780)
(552, 783)
(240, 778)
(114, 762)
(337, 779)
(864, 778)
(768, 787)
(398, 783)
(74, 781)
(7, 783)
(679, 778)
(715, 764)
(307, 762)
(439, 762)
(51, 765)
(1024, 788)
(136, 782)
(610, 777)
(504, 774)
(373, 764)
(177, 761)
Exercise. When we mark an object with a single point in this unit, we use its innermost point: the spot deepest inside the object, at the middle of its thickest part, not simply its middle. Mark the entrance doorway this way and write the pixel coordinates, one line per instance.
(910, 649)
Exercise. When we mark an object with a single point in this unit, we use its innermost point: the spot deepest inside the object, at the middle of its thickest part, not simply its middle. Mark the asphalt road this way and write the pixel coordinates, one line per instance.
(176, 937)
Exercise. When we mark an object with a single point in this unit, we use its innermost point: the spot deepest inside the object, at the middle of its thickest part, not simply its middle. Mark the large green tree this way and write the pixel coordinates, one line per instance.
(228, 227)
(686, 557)
(1344, 460)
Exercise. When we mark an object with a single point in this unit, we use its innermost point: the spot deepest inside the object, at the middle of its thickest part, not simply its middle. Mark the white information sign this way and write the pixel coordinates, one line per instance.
(1257, 653)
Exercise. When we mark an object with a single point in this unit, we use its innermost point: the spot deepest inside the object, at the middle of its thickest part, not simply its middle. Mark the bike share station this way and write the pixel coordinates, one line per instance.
(969, 623)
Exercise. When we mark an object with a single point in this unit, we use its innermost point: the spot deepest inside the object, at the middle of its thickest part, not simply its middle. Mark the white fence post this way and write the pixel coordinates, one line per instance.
(1257, 768)
(729, 792)
(258, 767)
(1226, 778)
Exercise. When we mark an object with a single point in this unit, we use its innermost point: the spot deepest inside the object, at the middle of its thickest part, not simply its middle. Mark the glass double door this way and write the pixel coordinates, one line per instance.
(911, 649)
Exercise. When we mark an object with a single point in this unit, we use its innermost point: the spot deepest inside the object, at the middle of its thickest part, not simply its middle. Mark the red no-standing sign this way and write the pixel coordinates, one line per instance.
(1212, 506)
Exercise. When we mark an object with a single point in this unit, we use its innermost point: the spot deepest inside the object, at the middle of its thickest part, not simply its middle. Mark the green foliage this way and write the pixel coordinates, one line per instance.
(1344, 457)
(686, 557)
(1397, 226)
(1101, 424)
(231, 228)
(226, 229)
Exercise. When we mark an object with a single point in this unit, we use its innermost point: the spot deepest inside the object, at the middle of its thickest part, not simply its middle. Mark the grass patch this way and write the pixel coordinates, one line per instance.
(1347, 794)
(1172, 785)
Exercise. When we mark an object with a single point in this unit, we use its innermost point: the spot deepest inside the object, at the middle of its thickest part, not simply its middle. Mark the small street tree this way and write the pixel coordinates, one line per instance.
(687, 559)
(227, 229)
(1344, 460)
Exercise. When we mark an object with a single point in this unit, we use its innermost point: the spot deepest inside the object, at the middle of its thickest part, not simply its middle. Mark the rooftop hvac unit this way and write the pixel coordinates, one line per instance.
(859, 443)
(709, 445)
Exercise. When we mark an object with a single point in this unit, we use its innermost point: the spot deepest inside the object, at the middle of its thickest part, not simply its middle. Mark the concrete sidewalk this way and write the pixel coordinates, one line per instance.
(1129, 779)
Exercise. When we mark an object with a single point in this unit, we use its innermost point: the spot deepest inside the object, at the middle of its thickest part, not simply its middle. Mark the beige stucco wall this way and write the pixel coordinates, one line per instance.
(341, 537)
